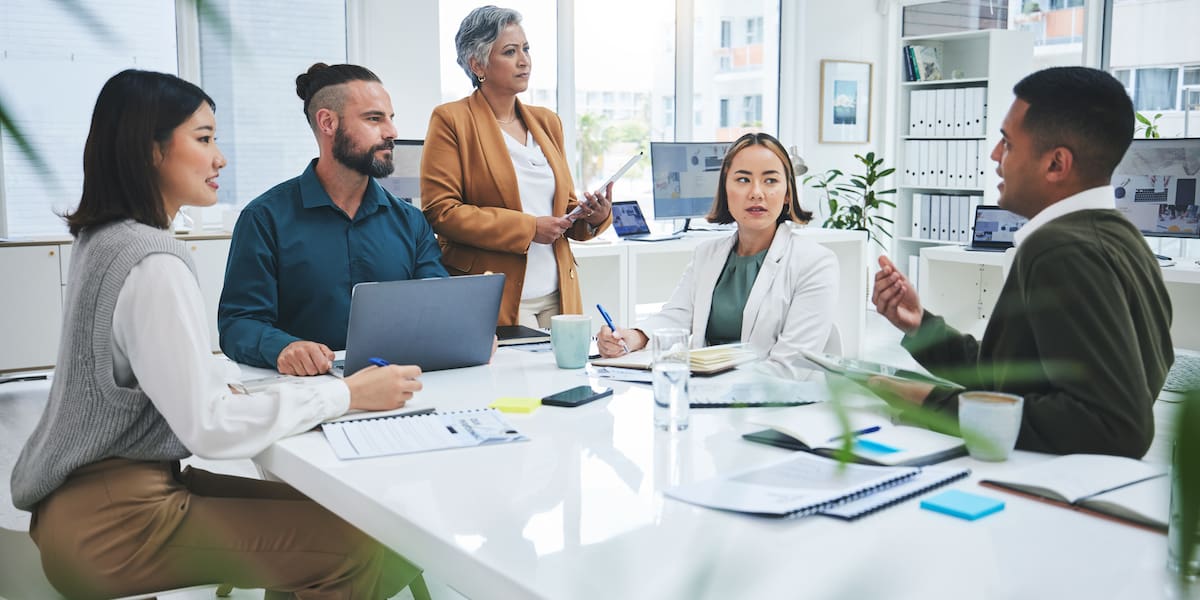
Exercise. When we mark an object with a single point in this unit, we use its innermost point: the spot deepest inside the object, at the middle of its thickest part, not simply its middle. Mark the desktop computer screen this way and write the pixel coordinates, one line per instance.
(405, 182)
(1155, 186)
(685, 177)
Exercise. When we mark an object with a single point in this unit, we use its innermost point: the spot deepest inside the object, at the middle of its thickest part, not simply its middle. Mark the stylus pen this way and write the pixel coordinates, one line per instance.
(379, 362)
(608, 321)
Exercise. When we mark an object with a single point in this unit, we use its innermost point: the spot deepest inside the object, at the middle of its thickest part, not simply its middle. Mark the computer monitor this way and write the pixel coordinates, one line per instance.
(405, 182)
(1155, 186)
(685, 177)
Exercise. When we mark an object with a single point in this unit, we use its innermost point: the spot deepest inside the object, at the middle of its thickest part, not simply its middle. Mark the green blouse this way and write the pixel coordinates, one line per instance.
(729, 297)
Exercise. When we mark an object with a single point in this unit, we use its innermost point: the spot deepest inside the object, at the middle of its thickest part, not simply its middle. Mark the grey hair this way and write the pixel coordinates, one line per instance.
(478, 32)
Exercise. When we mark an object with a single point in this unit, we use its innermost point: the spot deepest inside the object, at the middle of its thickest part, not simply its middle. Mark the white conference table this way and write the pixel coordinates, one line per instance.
(578, 512)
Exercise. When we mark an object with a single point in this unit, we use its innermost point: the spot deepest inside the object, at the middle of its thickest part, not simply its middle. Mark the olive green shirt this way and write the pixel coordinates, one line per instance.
(729, 297)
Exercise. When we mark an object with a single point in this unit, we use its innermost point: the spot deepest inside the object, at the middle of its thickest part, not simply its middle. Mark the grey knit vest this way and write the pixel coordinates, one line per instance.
(88, 417)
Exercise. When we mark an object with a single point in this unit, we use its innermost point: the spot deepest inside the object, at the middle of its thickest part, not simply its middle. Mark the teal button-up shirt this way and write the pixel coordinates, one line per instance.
(296, 256)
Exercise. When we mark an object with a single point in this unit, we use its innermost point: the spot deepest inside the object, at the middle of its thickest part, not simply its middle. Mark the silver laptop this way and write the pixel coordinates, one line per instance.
(440, 323)
(630, 224)
(994, 229)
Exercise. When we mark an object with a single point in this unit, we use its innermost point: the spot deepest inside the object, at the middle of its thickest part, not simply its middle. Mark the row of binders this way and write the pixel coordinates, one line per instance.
(948, 112)
(944, 217)
(944, 163)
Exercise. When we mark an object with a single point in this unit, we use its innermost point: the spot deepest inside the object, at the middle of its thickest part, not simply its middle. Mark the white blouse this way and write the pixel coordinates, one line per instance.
(535, 182)
(161, 344)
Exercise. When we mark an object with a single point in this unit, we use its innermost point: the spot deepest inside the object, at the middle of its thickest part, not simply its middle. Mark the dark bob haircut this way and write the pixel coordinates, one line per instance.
(135, 111)
(791, 204)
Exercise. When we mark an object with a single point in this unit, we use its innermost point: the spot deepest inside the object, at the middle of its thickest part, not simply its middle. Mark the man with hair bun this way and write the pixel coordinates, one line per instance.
(299, 249)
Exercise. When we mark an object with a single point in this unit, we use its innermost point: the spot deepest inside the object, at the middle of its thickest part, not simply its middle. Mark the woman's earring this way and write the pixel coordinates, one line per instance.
(481, 78)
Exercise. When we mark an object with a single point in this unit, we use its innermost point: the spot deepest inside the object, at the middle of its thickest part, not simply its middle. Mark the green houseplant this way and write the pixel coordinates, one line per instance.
(856, 204)
(1147, 125)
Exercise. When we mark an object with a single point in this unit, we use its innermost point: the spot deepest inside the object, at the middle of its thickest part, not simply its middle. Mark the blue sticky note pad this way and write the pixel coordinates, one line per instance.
(962, 504)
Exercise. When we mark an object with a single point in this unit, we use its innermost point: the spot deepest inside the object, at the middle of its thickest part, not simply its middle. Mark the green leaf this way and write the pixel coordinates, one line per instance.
(1186, 472)
(1141, 118)
(885, 172)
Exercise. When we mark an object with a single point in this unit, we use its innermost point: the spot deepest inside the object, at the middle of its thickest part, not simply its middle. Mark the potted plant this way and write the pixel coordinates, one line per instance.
(856, 204)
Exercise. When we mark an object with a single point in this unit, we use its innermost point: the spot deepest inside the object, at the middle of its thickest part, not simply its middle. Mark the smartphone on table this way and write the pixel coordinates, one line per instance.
(576, 396)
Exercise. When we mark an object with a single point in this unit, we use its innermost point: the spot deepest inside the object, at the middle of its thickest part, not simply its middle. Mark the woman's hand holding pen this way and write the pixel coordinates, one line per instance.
(550, 229)
(383, 388)
(608, 342)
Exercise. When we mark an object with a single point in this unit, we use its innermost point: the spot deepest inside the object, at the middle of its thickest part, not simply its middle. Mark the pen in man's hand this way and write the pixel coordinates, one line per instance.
(608, 320)
(379, 362)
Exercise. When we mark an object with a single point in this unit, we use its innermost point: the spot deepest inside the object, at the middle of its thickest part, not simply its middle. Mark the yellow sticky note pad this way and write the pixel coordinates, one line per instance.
(516, 405)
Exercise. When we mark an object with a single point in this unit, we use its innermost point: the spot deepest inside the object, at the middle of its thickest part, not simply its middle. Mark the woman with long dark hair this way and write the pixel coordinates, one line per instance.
(136, 389)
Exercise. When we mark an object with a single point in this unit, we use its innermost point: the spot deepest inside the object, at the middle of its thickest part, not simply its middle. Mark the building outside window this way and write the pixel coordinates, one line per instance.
(1154, 52)
(737, 70)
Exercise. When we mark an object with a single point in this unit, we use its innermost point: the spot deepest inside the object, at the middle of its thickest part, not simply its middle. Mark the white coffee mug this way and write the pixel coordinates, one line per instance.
(990, 422)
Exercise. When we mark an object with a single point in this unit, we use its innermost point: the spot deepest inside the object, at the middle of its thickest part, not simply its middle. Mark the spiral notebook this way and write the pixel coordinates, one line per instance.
(404, 434)
(928, 479)
(797, 486)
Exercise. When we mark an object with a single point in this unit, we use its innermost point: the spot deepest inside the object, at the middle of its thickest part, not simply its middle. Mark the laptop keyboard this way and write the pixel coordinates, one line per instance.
(1184, 374)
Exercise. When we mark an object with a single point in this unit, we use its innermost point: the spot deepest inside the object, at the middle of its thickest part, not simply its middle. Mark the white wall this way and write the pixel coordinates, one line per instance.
(399, 42)
(843, 30)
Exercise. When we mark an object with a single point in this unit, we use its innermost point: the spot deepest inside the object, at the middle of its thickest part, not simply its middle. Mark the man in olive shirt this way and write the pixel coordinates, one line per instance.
(1082, 326)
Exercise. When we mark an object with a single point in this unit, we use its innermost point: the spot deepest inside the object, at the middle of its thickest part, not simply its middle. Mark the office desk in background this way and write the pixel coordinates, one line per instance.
(578, 512)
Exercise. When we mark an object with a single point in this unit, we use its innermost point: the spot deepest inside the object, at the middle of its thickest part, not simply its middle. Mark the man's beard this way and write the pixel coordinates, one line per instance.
(364, 162)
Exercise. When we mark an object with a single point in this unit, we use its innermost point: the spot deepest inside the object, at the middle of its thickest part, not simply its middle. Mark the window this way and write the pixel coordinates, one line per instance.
(259, 122)
(1155, 89)
(745, 73)
(726, 33)
(1151, 49)
(754, 30)
(626, 77)
(54, 64)
(539, 19)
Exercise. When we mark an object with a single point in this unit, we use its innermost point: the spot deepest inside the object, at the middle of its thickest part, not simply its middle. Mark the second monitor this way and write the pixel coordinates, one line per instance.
(405, 182)
(685, 177)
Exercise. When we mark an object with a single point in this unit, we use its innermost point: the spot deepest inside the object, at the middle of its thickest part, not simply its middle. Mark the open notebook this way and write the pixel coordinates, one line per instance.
(815, 428)
(705, 361)
(1113, 487)
(798, 485)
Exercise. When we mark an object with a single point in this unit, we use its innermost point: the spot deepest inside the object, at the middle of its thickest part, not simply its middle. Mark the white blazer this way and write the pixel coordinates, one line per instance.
(790, 308)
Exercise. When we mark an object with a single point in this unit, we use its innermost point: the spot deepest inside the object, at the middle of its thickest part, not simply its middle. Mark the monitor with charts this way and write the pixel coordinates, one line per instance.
(994, 228)
(685, 177)
(405, 182)
(630, 224)
(1154, 186)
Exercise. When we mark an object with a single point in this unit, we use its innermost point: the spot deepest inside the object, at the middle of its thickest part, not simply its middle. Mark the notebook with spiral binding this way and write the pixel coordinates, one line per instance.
(928, 479)
(401, 434)
(797, 486)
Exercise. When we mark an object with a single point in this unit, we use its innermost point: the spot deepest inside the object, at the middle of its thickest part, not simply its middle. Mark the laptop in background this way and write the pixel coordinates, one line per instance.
(438, 323)
(994, 229)
(630, 224)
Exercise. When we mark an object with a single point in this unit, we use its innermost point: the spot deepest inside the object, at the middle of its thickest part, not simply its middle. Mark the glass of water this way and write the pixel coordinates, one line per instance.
(672, 371)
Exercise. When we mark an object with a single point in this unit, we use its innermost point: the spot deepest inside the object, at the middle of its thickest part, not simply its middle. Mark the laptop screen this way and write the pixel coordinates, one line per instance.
(628, 219)
(994, 227)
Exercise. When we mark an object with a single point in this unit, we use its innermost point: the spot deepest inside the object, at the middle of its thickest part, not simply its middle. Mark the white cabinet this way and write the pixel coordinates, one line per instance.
(946, 130)
(31, 306)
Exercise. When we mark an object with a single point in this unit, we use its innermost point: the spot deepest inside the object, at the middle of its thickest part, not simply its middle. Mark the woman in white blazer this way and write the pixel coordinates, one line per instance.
(764, 285)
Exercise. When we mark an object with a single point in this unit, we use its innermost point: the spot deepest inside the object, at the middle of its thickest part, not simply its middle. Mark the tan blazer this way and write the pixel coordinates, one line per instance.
(470, 197)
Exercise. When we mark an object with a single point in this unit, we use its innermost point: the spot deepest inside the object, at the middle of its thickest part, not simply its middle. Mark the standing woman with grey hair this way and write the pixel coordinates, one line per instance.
(495, 183)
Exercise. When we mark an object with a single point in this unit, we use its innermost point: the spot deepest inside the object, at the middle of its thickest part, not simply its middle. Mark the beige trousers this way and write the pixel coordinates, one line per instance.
(121, 527)
(536, 312)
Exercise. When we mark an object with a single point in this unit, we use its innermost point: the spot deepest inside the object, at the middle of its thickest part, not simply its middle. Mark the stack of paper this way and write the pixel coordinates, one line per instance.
(704, 361)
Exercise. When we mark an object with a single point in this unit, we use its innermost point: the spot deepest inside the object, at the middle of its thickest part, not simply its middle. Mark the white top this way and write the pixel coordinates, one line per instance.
(792, 305)
(535, 182)
(1097, 198)
(161, 343)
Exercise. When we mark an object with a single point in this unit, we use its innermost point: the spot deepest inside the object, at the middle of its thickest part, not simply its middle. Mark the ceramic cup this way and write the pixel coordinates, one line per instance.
(990, 422)
(570, 335)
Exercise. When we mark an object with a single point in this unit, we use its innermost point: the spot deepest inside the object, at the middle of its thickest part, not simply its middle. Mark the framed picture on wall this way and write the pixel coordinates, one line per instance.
(845, 102)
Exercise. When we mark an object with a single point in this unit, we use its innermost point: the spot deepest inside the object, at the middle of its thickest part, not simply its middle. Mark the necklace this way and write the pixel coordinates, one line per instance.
(504, 122)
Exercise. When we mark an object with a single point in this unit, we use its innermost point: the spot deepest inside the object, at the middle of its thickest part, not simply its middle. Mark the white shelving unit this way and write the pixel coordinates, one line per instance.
(991, 60)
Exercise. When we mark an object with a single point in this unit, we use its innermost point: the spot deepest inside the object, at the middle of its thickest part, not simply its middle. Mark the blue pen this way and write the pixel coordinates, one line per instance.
(852, 434)
(379, 362)
(609, 322)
